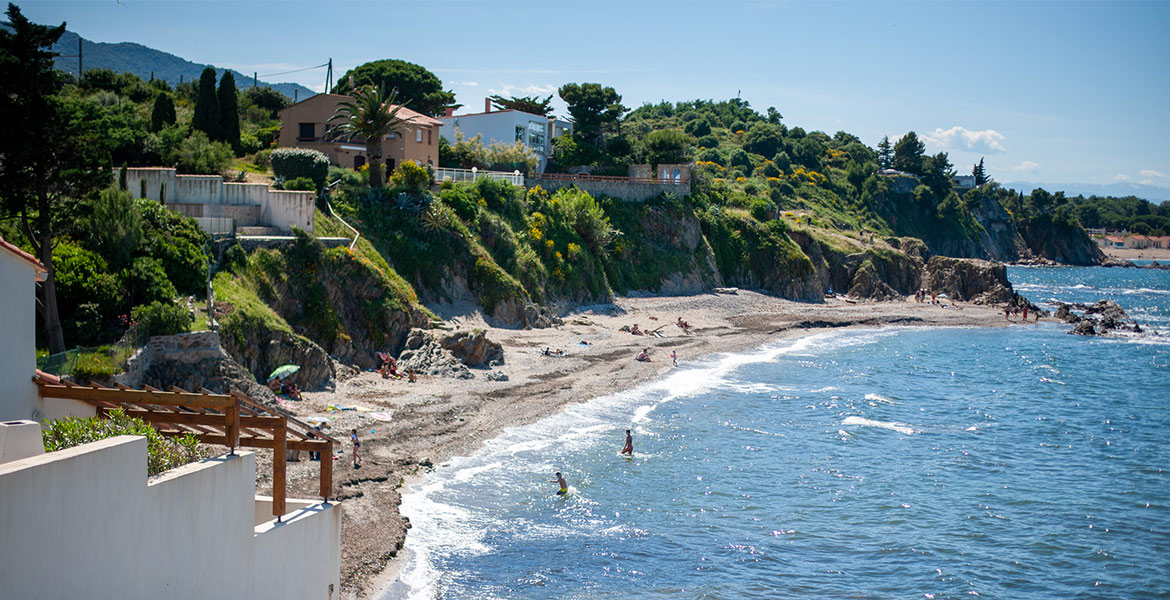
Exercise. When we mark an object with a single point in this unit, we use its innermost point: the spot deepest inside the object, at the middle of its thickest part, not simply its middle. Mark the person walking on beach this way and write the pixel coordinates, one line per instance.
(674, 357)
(357, 459)
(561, 484)
(629, 449)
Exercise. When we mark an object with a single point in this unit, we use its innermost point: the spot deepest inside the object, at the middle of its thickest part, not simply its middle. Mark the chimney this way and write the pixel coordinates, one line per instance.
(449, 111)
(487, 105)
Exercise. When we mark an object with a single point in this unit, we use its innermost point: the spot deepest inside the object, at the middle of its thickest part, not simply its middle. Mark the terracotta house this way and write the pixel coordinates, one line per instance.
(306, 125)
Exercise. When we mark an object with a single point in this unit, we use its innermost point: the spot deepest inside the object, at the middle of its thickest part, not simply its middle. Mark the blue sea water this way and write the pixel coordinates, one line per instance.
(1014, 462)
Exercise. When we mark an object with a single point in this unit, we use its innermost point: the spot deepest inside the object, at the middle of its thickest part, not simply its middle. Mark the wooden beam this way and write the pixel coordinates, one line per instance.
(251, 442)
(202, 419)
(114, 395)
(326, 460)
(233, 425)
(279, 471)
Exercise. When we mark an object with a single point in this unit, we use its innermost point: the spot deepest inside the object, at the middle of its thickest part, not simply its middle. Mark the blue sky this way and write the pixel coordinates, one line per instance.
(1046, 91)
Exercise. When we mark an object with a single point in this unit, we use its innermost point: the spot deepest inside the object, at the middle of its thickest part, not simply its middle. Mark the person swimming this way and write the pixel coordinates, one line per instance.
(562, 484)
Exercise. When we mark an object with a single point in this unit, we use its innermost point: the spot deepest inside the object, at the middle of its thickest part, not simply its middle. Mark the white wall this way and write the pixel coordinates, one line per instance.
(281, 209)
(85, 523)
(18, 353)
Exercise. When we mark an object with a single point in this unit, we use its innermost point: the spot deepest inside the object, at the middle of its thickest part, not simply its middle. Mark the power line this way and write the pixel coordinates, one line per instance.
(295, 70)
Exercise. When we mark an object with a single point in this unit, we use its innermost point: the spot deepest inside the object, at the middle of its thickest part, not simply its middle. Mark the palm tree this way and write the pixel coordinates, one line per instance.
(372, 115)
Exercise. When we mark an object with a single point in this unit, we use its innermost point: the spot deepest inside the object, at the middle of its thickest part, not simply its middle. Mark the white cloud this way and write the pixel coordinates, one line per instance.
(1152, 173)
(988, 141)
(1147, 182)
(532, 89)
(1026, 167)
(1121, 177)
(468, 83)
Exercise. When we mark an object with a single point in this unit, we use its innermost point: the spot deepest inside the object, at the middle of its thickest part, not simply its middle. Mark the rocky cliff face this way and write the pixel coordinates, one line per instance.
(1062, 243)
(262, 350)
(1000, 240)
(864, 271)
(968, 280)
(661, 251)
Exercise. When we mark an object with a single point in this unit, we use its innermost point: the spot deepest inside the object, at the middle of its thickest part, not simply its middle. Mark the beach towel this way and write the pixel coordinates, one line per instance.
(381, 416)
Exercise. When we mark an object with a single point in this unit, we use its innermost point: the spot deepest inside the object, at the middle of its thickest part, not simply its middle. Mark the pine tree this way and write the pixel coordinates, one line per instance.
(885, 153)
(229, 113)
(909, 153)
(979, 173)
(163, 113)
(206, 118)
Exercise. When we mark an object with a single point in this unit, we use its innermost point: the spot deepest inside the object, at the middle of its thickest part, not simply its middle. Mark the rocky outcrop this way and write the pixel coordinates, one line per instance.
(261, 351)
(192, 361)
(1101, 318)
(473, 348)
(450, 355)
(874, 273)
(968, 280)
(999, 239)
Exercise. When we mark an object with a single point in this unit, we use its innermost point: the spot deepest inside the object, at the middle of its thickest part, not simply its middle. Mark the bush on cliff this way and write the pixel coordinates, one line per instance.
(292, 163)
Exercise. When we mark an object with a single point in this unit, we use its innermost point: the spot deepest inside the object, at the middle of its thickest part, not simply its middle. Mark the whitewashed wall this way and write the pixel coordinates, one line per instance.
(84, 523)
(18, 355)
(282, 209)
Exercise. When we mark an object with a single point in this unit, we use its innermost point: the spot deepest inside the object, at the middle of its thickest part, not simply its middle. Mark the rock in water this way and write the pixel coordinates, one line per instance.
(1085, 327)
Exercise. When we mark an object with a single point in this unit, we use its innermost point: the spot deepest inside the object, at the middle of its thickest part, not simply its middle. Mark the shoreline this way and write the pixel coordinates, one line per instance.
(436, 419)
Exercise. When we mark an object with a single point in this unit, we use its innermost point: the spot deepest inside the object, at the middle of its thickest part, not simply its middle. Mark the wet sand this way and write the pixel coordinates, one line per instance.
(435, 419)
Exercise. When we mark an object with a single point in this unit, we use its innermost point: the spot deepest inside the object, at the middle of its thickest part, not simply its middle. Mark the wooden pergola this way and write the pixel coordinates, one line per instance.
(224, 419)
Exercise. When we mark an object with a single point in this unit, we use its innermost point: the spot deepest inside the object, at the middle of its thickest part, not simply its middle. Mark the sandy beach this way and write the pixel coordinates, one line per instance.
(435, 419)
(1158, 254)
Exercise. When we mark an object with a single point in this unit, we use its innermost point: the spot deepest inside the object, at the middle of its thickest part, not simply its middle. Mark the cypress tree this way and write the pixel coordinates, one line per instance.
(885, 153)
(206, 118)
(980, 173)
(163, 113)
(229, 112)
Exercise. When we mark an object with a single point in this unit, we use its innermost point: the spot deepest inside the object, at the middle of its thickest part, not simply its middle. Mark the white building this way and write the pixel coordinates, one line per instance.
(86, 522)
(507, 127)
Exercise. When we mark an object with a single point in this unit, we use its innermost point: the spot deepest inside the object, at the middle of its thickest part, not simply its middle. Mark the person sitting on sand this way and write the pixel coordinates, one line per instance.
(410, 375)
(643, 356)
(634, 330)
(291, 390)
(547, 351)
(686, 327)
(274, 385)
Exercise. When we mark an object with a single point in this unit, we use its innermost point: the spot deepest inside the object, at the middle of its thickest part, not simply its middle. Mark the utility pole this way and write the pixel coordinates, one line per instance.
(254, 79)
(329, 77)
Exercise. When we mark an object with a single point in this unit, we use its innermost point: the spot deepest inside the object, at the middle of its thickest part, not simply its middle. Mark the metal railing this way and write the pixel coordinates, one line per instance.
(609, 178)
(95, 357)
(459, 175)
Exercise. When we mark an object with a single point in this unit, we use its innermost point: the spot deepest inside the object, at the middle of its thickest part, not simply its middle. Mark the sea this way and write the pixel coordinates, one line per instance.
(1006, 462)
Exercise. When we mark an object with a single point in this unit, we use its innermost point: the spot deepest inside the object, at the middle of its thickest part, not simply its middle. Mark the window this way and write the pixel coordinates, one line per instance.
(307, 132)
(430, 140)
(536, 136)
(520, 134)
(418, 135)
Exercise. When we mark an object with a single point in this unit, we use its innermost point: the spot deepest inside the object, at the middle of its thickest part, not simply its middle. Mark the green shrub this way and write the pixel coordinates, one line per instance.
(292, 163)
(698, 128)
(235, 258)
(146, 281)
(162, 318)
(302, 184)
(411, 176)
(177, 242)
(462, 200)
(262, 159)
(200, 156)
(249, 144)
(707, 141)
(737, 126)
(740, 158)
(711, 155)
(769, 169)
(162, 453)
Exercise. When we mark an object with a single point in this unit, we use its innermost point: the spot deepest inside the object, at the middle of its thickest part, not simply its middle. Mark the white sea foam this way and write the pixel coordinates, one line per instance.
(891, 425)
(879, 398)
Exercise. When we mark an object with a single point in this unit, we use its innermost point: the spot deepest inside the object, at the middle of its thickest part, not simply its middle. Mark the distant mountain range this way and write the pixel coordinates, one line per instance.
(128, 57)
(1152, 193)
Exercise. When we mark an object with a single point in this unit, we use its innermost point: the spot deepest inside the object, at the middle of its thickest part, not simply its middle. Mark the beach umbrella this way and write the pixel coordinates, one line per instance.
(283, 372)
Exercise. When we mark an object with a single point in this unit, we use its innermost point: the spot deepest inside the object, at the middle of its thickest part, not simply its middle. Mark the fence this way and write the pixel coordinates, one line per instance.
(458, 175)
(608, 179)
(110, 358)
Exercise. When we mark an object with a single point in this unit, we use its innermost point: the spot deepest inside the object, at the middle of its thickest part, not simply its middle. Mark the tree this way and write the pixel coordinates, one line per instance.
(592, 107)
(937, 173)
(763, 138)
(665, 146)
(267, 98)
(372, 115)
(980, 173)
(163, 113)
(529, 104)
(229, 111)
(40, 183)
(416, 87)
(885, 153)
(206, 117)
(908, 153)
(115, 227)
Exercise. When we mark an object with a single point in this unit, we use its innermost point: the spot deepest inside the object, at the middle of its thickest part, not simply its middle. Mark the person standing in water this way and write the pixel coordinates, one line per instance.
(674, 357)
(629, 448)
(562, 484)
